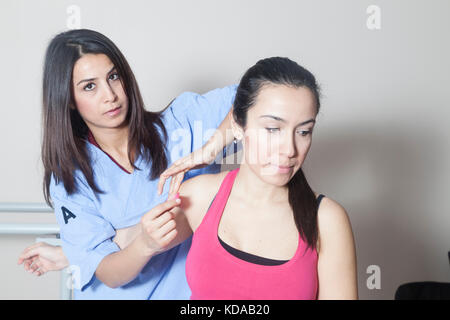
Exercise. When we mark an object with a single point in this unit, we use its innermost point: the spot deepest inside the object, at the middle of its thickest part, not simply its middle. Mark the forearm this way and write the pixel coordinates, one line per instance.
(223, 136)
(119, 268)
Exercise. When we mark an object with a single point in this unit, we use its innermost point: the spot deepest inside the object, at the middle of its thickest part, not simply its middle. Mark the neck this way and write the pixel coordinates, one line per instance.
(112, 141)
(257, 191)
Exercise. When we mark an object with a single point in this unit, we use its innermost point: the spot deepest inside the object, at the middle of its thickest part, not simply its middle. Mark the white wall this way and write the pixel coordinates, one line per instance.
(381, 145)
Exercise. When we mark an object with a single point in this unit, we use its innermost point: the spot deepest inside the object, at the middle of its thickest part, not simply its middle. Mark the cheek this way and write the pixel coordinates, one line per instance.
(303, 146)
(119, 90)
(85, 106)
(257, 146)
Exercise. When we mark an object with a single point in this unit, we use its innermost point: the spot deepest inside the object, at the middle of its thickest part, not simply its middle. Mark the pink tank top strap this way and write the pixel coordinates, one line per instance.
(220, 200)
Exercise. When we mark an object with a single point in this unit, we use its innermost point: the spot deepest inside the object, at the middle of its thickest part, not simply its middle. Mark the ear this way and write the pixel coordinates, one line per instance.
(238, 132)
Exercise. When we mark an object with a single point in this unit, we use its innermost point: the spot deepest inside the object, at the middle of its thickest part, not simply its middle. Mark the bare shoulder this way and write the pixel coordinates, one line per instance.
(331, 209)
(333, 223)
(202, 183)
(332, 215)
(336, 267)
(197, 194)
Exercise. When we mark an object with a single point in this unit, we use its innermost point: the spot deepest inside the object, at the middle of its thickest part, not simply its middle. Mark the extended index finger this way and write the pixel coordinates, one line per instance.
(177, 167)
(176, 182)
(163, 207)
(161, 182)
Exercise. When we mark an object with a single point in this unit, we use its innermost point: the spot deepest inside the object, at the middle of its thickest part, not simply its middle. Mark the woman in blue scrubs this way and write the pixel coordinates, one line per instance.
(102, 154)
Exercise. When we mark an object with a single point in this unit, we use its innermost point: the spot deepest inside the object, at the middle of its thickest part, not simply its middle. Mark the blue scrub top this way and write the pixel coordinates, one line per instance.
(88, 221)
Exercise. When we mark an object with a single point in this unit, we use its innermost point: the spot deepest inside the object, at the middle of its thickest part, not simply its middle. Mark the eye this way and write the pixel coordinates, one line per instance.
(272, 130)
(114, 76)
(89, 87)
(304, 133)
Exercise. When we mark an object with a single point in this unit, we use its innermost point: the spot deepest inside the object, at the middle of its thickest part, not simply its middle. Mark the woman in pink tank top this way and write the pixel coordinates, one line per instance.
(256, 228)
(213, 272)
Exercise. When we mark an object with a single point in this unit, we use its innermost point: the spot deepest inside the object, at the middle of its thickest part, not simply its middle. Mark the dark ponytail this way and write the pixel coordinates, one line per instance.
(282, 71)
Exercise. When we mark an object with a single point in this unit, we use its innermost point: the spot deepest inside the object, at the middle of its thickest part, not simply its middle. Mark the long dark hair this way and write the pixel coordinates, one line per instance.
(282, 71)
(64, 131)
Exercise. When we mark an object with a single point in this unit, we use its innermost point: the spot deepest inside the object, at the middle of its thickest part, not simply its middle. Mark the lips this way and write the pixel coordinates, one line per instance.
(283, 166)
(113, 109)
(284, 169)
(113, 113)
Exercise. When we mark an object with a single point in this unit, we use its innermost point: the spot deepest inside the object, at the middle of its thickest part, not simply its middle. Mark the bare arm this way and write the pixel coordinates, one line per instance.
(337, 255)
(196, 194)
(123, 266)
(157, 234)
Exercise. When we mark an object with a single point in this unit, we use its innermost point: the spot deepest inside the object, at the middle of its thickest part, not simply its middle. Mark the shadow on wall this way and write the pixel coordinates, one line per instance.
(386, 179)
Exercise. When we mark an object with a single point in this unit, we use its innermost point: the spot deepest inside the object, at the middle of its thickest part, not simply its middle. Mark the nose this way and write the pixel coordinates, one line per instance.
(288, 147)
(109, 94)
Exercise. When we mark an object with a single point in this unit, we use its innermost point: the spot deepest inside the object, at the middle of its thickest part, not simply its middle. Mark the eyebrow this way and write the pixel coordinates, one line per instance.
(91, 79)
(282, 120)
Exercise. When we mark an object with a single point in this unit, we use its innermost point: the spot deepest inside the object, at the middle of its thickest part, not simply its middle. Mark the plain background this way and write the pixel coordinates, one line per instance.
(381, 144)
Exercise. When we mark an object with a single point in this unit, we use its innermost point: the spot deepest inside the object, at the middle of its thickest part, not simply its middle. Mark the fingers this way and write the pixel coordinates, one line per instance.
(175, 183)
(161, 236)
(39, 268)
(28, 254)
(160, 209)
(166, 174)
(165, 229)
(179, 166)
(169, 237)
(152, 226)
(29, 251)
(160, 221)
(159, 226)
(34, 266)
(161, 182)
(31, 257)
(28, 263)
(25, 253)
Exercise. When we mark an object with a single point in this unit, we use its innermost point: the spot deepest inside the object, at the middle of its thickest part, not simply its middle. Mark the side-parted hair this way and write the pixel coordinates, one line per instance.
(283, 71)
(64, 145)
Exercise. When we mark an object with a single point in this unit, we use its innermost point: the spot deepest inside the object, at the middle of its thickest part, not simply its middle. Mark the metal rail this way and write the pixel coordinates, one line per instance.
(22, 228)
(24, 207)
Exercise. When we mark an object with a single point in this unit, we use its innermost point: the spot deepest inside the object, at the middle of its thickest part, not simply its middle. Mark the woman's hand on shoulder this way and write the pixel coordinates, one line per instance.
(337, 255)
(195, 160)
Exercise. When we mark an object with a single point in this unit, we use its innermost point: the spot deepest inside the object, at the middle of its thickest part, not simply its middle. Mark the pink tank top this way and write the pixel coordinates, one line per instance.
(215, 274)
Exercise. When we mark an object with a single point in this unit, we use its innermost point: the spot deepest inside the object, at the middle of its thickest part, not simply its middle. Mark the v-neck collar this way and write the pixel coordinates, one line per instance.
(92, 141)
